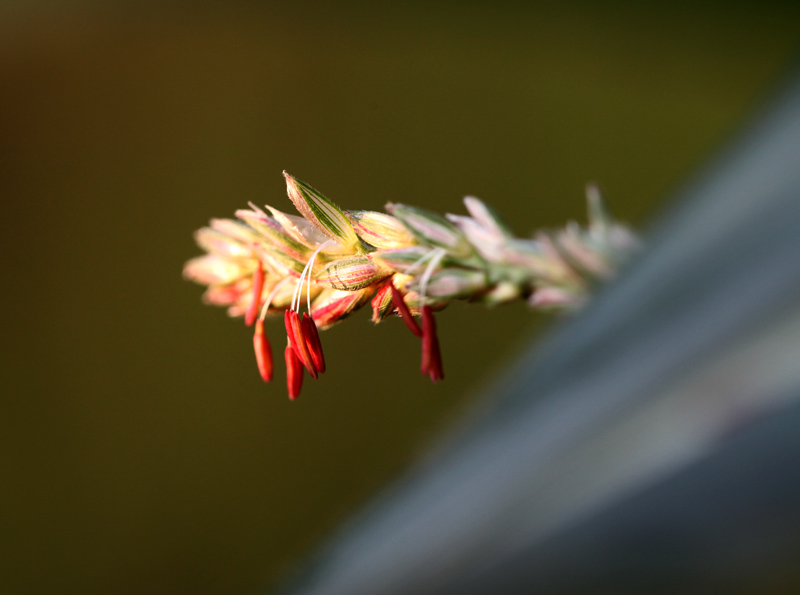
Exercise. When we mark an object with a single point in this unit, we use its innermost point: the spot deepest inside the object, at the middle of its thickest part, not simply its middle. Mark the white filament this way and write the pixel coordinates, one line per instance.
(422, 259)
(310, 267)
(436, 257)
(307, 269)
(271, 296)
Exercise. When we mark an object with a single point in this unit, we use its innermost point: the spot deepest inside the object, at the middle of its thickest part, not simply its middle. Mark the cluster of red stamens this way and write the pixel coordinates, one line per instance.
(304, 349)
(431, 354)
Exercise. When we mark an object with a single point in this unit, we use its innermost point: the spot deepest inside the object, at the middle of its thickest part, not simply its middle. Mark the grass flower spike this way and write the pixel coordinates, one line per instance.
(407, 262)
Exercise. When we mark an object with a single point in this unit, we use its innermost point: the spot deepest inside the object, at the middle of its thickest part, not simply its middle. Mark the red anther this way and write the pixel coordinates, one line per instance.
(311, 335)
(294, 372)
(258, 286)
(263, 352)
(287, 321)
(431, 354)
(405, 313)
(294, 329)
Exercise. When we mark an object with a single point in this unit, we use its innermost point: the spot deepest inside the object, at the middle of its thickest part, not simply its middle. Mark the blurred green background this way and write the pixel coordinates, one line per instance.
(139, 450)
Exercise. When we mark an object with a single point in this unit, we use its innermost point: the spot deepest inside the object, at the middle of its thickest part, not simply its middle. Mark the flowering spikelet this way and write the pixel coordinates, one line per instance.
(408, 262)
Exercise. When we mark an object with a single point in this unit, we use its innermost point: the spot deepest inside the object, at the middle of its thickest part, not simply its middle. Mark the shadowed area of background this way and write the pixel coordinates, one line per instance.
(139, 450)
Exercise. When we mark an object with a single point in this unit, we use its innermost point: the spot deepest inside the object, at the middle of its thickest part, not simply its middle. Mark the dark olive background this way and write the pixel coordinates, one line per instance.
(139, 450)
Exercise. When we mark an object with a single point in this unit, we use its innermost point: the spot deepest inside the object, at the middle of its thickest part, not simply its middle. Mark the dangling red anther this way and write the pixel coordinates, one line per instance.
(405, 313)
(258, 286)
(294, 330)
(311, 335)
(294, 373)
(263, 352)
(431, 355)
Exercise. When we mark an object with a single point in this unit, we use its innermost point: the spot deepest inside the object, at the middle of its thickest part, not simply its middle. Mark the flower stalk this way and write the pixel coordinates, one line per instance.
(408, 262)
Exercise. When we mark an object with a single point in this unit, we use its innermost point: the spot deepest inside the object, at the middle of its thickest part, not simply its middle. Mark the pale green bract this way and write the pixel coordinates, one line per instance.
(322, 213)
